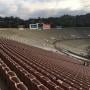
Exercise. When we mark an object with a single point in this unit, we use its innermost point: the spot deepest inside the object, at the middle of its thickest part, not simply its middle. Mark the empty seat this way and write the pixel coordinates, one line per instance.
(12, 82)
(42, 87)
(36, 85)
(4, 65)
(21, 86)
(7, 69)
(52, 85)
(59, 88)
(25, 72)
(15, 80)
(66, 85)
(10, 74)
(30, 76)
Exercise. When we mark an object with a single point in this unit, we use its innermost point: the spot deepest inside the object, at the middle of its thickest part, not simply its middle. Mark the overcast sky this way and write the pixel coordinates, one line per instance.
(43, 8)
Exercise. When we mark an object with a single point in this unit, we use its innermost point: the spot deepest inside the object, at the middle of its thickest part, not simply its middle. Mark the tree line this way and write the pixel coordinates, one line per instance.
(65, 21)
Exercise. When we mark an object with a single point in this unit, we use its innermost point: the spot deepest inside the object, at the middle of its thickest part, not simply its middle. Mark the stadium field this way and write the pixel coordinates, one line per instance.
(45, 38)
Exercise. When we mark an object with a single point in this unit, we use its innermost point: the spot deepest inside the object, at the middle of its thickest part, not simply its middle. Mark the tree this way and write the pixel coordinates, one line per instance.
(65, 21)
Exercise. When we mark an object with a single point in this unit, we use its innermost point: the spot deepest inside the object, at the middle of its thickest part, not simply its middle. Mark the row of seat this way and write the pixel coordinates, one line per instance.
(41, 77)
(49, 75)
(40, 51)
(73, 80)
(63, 72)
(11, 78)
(32, 83)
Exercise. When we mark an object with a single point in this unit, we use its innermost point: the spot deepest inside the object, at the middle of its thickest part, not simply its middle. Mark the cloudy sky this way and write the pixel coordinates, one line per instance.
(43, 8)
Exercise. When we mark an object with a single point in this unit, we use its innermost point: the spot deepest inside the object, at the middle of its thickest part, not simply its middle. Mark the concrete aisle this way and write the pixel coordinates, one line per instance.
(3, 86)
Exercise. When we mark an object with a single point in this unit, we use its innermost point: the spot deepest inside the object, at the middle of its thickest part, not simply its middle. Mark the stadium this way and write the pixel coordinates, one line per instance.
(37, 59)
(44, 44)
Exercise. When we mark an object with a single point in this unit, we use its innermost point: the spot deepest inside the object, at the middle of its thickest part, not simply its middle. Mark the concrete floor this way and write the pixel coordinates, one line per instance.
(3, 85)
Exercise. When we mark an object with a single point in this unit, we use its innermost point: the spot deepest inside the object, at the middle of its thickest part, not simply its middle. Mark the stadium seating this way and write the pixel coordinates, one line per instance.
(11, 78)
(41, 70)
